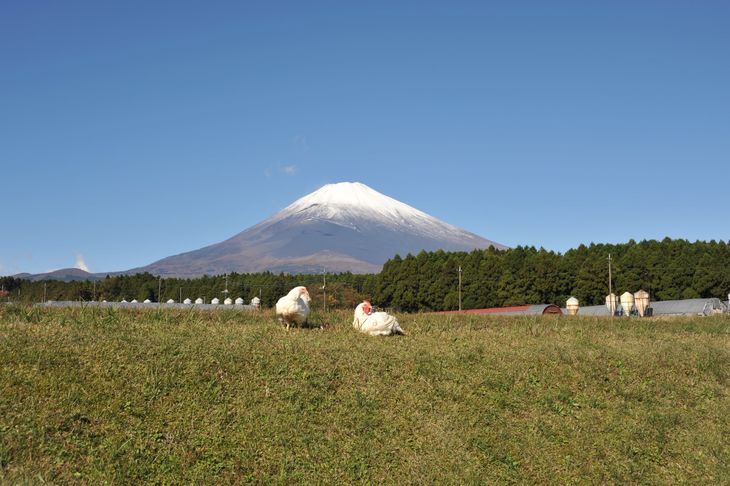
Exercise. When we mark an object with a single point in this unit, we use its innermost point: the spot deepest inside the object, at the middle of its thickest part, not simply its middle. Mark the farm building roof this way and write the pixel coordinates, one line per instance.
(685, 307)
(516, 310)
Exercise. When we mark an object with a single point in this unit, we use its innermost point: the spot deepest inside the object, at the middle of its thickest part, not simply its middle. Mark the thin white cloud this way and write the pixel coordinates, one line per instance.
(81, 264)
(289, 170)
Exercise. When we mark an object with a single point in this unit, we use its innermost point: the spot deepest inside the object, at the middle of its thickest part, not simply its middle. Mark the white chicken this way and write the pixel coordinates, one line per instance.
(375, 323)
(293, 308)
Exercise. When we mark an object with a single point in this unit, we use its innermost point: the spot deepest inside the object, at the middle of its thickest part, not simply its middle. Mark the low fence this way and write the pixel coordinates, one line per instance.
(150, 305)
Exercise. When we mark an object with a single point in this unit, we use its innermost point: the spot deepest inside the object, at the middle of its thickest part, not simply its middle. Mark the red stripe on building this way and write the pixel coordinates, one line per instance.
(492, 310)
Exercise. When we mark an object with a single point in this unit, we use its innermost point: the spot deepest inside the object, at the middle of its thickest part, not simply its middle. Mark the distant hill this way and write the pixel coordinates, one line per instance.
(65, 274)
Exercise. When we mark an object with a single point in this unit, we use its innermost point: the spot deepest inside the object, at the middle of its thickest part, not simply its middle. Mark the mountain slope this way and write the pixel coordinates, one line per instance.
(64, 274)
(340, 227)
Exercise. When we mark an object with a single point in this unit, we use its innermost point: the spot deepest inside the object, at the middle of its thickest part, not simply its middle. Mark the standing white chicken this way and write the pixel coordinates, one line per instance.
(375, 323)
(293, 308)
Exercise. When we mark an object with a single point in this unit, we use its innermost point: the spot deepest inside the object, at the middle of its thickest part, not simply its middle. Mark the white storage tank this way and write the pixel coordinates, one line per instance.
(627, 302)
(187, 301)
(147, 301)
(612, 303)
(215, 301)
(198, 300)
(171, 301)
(572, 305)
(239, 301)
(228, 301)
(641, 301)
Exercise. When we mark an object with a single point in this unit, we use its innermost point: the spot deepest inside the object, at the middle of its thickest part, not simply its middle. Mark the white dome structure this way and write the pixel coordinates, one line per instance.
(124, 301)
(215, 301)
(228, 301)
(187, 301)
(239, 301)
(147, 301)
(198, 300)
(134, 301)
(256, 302)
(171, 301)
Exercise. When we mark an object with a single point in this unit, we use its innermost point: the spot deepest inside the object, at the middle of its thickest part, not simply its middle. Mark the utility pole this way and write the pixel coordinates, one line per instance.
(44, 292)
(159, 291)
(324, 289)
(460, 288)
(610, 286)
(94, 290)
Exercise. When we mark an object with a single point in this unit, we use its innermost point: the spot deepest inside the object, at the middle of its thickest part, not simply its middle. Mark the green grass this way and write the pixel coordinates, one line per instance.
(98, 395)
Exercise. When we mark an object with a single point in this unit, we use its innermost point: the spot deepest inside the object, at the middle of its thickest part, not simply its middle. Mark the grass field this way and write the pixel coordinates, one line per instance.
(100, 395)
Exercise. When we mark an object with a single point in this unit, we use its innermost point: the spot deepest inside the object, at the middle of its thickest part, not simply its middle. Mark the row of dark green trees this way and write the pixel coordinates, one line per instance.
(667, 269)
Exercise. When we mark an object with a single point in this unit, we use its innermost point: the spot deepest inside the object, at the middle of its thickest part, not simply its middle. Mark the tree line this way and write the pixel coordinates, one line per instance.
(339, 290)
(429, 281)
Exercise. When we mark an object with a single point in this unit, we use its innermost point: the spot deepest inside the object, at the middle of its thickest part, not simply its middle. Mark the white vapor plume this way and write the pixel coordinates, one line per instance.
(80, 263)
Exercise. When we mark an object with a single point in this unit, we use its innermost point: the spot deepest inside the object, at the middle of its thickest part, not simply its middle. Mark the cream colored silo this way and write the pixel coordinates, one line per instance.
(641, 301)
(612, 303)
(572, 305)
(627, 302)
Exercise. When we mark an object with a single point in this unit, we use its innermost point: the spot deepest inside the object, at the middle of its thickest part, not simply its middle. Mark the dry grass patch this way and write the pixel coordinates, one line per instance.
(96, 395)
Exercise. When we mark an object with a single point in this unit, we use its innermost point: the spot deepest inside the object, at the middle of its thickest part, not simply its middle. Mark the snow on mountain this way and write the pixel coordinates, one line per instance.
(341, 227)
(348, 202)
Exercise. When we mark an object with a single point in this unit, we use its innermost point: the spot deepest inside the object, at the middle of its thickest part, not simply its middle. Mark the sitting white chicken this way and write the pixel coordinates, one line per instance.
(375, 323)
(293, 308)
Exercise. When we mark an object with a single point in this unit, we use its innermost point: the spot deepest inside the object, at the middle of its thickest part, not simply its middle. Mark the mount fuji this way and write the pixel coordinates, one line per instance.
(341, 227)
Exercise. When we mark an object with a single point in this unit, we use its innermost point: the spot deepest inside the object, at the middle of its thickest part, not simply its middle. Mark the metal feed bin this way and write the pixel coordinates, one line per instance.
(627, 302)
(572, 305)
(612, 303)
(641, 301)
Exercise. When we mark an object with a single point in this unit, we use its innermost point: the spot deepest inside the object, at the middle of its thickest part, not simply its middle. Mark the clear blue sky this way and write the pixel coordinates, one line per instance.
(131, 131)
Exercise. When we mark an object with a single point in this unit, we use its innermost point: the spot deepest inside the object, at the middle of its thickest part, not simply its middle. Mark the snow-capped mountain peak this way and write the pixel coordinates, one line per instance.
(348, 202)
(345, 227)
